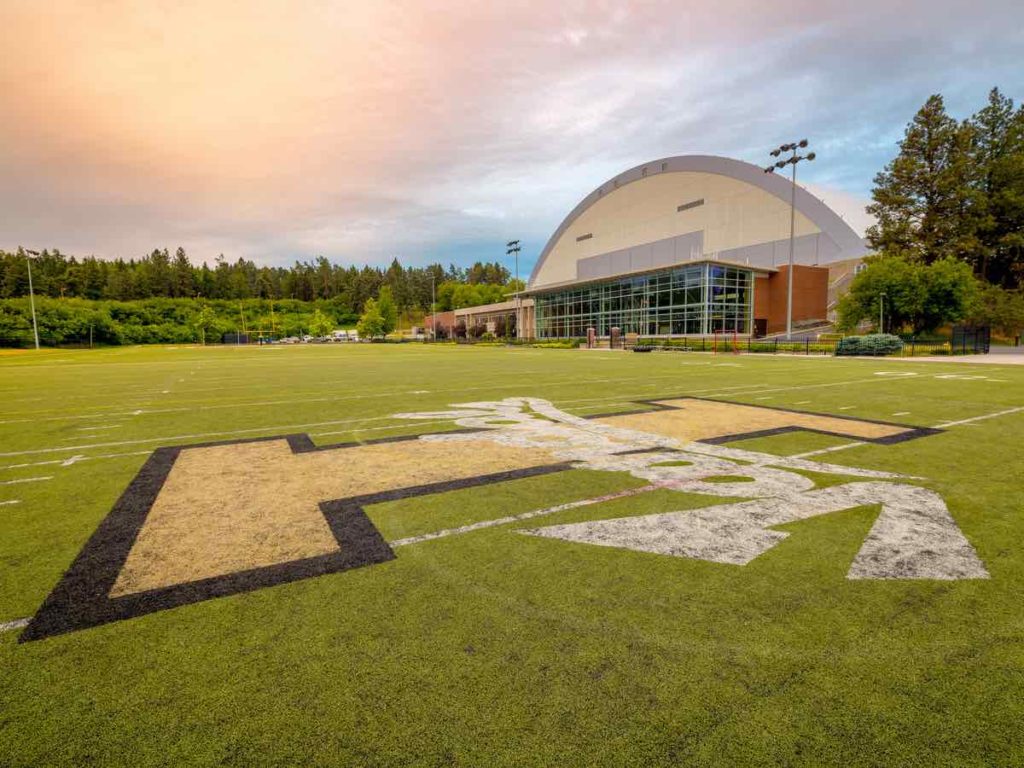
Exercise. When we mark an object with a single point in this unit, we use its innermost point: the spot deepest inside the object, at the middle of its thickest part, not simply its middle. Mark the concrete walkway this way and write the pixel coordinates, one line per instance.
(996, 356)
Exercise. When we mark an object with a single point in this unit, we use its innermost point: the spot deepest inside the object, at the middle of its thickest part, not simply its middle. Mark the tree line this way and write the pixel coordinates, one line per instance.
(160, 275)
(948, 245)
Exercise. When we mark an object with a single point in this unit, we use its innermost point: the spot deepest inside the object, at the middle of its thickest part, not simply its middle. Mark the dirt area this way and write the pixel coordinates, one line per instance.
(230, 508)
(702, 419)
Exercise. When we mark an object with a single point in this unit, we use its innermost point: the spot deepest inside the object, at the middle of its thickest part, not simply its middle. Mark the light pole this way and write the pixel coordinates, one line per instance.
(881, 306)
(512, 247)
(433, 307)
(31, 296)
(792, 160)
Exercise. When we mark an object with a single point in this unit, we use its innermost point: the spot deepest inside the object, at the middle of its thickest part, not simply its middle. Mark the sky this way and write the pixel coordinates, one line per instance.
(437, 131)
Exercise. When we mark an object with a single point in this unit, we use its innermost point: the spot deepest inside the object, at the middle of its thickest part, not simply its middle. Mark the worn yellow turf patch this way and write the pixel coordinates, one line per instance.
(695, 419)
(229, 508)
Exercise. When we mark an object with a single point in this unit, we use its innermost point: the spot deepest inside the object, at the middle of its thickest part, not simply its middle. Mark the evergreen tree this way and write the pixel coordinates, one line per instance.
(924, 201)
(999, 160)
(183, 278)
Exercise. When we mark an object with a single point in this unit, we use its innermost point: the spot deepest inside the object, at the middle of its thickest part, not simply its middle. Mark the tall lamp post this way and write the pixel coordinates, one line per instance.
(780, 164)
(881, 307)
(512, 248)
(433, 308)
(31, 295)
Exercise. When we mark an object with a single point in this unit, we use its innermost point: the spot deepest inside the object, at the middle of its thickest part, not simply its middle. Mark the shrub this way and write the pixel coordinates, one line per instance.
(873, 344)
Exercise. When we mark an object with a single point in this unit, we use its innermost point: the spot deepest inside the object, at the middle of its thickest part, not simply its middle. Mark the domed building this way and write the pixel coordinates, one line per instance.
(688, 245)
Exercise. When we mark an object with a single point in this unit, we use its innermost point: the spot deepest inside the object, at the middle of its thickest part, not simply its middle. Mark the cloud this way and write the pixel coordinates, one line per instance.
(278, 131)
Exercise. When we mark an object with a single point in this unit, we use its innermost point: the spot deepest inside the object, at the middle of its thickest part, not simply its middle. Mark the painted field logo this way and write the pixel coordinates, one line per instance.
(218, 519)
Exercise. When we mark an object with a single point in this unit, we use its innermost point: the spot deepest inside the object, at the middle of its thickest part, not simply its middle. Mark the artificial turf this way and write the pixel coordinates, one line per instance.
(495, 648)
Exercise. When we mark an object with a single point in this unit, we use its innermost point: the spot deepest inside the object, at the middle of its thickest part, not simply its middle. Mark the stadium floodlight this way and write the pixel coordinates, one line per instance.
(792, 160)
(512, 249)
(31, 296)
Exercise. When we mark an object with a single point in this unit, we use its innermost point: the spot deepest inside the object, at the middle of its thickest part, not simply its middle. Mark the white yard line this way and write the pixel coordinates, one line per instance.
(8, 503)
(944, 425)
(277, 428)
(1007, 412)
(820, 451)
(171, 439)
(525, 515)
(353, 431)
(26, 480)
(7, 626)
(302, 399)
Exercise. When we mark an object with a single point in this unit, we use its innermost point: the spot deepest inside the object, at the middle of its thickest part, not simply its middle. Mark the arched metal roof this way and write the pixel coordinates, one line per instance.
(850, 244)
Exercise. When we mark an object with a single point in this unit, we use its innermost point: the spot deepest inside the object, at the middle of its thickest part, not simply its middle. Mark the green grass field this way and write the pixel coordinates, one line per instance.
(492, 648)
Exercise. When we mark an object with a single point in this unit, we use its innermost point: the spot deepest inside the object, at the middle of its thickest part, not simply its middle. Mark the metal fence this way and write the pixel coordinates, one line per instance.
(911, 348)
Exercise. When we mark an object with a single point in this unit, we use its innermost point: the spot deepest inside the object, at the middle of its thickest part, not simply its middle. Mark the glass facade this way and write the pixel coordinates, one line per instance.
(693, 299)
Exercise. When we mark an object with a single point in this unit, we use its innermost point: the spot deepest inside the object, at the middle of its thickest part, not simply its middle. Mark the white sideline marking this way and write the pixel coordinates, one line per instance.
(8, 503)
(1007, 412)
(7, 626)
(766, 397)
(26, 480)
(96, 429)
(820, 451)
(902, 413)
(846, 407)
(525, 515)
(802, 402)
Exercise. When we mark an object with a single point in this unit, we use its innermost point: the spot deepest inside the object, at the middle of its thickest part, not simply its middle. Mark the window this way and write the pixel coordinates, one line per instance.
(689, 205)
(587, 236)
(695, 299)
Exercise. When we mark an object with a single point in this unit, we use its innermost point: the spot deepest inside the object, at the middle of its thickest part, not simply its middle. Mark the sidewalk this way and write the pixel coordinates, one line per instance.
(996, 356)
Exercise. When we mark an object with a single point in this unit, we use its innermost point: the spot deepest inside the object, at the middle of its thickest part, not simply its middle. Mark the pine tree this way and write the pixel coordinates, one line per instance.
(183, 281)
(924, 200)
(999, 160)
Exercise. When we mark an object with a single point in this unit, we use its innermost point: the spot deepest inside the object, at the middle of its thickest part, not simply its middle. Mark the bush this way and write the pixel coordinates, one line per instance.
(876, 344)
